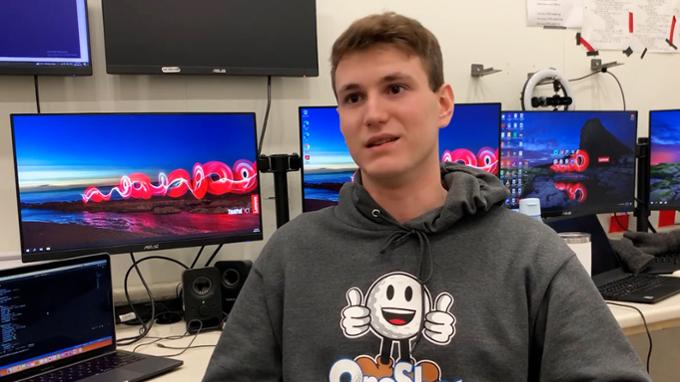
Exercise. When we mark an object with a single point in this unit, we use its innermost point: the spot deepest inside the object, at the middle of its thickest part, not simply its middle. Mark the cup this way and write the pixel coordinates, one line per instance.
(579, 242)
(530, 207)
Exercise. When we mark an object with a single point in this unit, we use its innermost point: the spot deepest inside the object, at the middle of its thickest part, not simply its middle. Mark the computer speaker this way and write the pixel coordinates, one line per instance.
(233, 275)
(202, 297)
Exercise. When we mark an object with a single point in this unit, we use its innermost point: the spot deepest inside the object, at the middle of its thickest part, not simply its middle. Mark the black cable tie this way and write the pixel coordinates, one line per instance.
(643, 54)
(671, 44)
(593, 53)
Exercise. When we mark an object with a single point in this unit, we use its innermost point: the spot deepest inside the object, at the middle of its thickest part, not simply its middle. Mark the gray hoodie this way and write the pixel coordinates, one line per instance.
(467, 292)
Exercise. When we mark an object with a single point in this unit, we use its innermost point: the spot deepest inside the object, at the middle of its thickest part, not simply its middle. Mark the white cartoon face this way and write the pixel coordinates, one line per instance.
(396, 305)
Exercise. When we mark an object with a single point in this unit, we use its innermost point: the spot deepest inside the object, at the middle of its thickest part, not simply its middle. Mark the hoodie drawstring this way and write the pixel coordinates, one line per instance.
(397, 238)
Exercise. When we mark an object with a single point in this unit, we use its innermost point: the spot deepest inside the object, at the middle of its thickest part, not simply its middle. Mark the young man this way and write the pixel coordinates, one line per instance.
(419, 273)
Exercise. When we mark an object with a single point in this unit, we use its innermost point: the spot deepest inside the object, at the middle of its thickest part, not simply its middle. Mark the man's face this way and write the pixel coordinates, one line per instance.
(388, 114)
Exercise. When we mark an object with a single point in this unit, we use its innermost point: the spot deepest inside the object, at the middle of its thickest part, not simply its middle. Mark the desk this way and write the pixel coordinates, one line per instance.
(195, 360)
(662, 315)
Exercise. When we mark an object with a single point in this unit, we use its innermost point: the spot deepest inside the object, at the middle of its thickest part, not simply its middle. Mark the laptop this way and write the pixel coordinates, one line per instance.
(611, 279)
(57, 324)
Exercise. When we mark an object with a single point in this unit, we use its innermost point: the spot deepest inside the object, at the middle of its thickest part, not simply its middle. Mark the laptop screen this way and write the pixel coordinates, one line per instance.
(54, 313)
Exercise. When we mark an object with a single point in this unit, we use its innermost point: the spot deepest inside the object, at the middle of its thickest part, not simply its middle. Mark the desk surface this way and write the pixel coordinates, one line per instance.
(195, 360)
(664, 314)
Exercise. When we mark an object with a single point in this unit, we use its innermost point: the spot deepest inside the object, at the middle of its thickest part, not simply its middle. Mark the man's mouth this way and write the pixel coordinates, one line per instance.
(378, 141)
(398, 317)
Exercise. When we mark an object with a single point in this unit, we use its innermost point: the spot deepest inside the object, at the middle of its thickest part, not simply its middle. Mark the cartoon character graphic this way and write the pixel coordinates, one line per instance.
(396, 309)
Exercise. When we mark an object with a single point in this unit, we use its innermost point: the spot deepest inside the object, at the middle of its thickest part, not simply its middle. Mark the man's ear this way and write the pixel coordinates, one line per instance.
(446, 100)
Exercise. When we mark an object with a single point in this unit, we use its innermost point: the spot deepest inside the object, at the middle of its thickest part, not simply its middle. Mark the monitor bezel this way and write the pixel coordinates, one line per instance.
(651, 207)
(150, 245)
(27, 68)
(590, 211)
(220, 70)
(78, 357)
(302, 167)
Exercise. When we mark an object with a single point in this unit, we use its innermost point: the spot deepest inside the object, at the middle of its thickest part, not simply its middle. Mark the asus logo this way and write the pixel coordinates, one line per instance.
(152, 246)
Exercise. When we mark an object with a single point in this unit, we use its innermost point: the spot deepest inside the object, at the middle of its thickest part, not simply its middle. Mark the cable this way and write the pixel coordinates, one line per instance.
(583, 77)
(190, 347)
(651, 227)
(144, 330)
(200, 326)
(156, 339)
(649, 222)
(571, 79)
(197, 256)
(266, 114)
(207, 263)
(37, 93)
(623, 96)
(644, 321)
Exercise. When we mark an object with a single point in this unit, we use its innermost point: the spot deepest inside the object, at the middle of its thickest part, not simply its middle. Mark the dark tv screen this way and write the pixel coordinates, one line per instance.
(576, 163)
(471, 138)
(235, 37)
(664, 137)
(89, 183)
(44, 37)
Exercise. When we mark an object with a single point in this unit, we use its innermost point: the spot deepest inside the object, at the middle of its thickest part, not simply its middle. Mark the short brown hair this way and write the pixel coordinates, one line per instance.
(400, 31)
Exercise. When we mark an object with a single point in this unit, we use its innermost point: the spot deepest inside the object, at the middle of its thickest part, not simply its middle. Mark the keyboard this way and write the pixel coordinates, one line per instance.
(88, 368)
(628, 285)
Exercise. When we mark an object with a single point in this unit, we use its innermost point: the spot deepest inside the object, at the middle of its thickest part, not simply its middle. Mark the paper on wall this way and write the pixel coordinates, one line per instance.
(555, 13)
(638, 24)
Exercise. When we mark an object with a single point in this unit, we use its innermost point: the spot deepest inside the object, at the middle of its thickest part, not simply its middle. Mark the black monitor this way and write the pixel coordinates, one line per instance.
(576, 163)
(115, 183)
(235, 37)
(664, 147)
(472, 138)
(44, 37)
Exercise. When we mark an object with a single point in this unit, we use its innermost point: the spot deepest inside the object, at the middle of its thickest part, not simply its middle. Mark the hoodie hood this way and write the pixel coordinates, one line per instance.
(470, 192)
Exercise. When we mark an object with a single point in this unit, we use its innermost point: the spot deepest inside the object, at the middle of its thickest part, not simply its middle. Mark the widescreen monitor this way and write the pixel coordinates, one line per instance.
(115, 183)
(576, 163)
(220, 37)
(44, 37)
(664, 147)
(472, 138)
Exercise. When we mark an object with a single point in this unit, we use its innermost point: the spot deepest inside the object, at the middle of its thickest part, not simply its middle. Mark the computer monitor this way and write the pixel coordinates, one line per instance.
(217, 37)
(115, 183)
(44, 37)
(472, 138)
(664, 147)
(576, 163)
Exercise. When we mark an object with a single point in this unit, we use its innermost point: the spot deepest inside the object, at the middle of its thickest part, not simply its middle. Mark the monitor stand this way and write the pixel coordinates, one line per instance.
(280, 165)
(643, 168)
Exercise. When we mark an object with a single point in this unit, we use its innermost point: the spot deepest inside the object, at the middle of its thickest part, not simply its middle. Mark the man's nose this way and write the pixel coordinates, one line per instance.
(376, 111)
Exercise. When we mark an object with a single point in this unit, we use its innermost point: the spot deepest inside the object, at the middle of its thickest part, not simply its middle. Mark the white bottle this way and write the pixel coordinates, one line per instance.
(530, 207)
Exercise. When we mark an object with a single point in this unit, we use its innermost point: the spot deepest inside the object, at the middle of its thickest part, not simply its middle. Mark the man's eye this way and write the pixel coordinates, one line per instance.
(352, 98)
(396, 89)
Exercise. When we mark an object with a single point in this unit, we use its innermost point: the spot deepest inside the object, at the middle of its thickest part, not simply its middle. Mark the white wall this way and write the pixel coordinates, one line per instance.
(491, 32)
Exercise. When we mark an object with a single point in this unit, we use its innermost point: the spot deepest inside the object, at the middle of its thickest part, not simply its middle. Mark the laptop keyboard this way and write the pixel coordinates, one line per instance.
(628, 285)
(88, 368)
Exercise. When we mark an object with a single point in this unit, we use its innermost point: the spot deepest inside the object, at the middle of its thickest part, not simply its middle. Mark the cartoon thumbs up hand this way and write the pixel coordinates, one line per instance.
(439, 323)
(355, 317)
